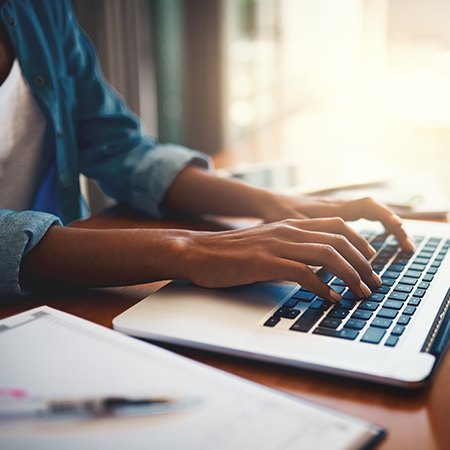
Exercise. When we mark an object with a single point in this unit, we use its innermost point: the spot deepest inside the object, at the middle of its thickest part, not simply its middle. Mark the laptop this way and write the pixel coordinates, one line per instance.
(396, 336)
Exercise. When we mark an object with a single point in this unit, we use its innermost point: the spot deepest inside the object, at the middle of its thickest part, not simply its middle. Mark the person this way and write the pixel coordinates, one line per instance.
(59, 117)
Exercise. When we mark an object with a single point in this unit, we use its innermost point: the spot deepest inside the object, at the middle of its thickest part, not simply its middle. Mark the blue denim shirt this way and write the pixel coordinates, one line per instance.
(90, 129)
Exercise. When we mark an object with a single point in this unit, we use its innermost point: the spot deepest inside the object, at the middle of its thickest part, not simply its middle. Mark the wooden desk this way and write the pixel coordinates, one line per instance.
(414, 419)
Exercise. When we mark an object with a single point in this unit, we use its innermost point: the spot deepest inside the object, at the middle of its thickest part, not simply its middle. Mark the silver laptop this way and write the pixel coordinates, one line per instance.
(394, 337)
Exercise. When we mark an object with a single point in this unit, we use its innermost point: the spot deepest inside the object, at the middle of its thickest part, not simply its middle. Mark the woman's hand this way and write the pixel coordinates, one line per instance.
(283, 206)
(281, 251)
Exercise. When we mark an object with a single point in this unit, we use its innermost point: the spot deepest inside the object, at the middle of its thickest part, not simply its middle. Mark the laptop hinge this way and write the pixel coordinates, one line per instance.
(439, 334)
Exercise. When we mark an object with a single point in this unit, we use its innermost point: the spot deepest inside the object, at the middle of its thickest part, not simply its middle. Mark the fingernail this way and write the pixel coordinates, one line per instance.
(397, 219)
(376, 279)
(372, 251)
(365, 289)
(335, 296)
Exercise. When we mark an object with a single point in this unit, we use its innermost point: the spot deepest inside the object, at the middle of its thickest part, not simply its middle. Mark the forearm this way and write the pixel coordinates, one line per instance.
(103, 257)
(200, 191)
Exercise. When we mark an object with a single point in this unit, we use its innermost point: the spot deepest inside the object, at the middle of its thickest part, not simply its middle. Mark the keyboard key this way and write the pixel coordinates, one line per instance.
(424, 285)
(324, 275)
(330, 323)
(436, 263)
(376, 297)
(307, 320)
(408, 280)
(347, 304)
(391, 341)
(423, 261)
(396, 267)
(403, 320)
(292, 314)
(387, 313)
(409, 310)
(281, 312)
(338, 313)
(419, 292)
(320, 304)
(360, 314)
(391, 274)
(398, 330)
(428, 277)
(432, 270)
(272, 321)
(349, 295)
(345, 333)
(387, 281)
(290, 303)
(381, 323)
(368, 305)
(398, 296)
(303, 296)
(339, 282)
(415, 301)
(418, 267)
(373, 335)
(356, 324)
(337, 287)
(413, 273)
(393, 304)
(381, 289)
(404, 288)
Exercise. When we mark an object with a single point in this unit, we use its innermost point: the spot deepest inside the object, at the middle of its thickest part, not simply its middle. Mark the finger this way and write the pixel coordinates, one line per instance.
(368, 208)
(316, 254)
(337, 225)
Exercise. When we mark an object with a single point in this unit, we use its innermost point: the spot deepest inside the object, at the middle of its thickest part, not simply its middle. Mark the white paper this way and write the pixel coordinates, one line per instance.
(56, 355)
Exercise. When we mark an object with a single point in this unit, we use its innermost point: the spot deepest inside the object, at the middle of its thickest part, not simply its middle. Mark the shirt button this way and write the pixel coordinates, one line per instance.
(60, 133)
(64, 187)
(12, 22)
(38, 81)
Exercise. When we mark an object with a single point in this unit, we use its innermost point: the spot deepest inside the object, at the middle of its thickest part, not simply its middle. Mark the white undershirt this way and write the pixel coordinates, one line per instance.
(22, 128)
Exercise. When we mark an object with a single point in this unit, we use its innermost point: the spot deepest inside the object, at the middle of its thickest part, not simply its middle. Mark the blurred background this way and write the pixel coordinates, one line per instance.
(351, 80)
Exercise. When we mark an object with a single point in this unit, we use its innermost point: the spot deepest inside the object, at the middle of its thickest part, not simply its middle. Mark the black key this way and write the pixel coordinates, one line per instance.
(361, 314)
(436, 263)
(338, 313)
(413, 273)
(396, 267)
(307, 320)
(368, 305)
(387, 313)
(381, 289)
(398, 296)
(398, 330)
(387, 281)
(349, 295)
(409, 310)
(324, 275)
(424, 261)
(345, 333)
(418, 267)
(427, 252)
(424, 285)
(381, 323)
(404, 288)
(432, 270)
(419, 292)
(356, 324)
(347, 304)
(376, 297)
(322, 305)
(281, 312)
(304, 296)
(330, 323)
(415, 301)
(373, 335)
(408, 280)
(290, 303)
(428, 277)
(391, 341)
(339, 282)
(272, 321)
(391, 274)
(292, 314)
(338, 288)
(393, 304)
(403, 320)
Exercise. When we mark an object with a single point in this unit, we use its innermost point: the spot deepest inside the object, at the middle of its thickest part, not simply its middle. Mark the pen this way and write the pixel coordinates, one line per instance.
(92, 407)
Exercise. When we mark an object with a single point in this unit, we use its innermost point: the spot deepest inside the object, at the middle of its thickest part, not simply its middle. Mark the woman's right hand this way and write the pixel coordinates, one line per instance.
(281, 251)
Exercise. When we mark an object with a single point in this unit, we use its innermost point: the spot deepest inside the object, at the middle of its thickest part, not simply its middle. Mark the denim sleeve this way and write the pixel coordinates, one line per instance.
(20, 233)
(114, 147)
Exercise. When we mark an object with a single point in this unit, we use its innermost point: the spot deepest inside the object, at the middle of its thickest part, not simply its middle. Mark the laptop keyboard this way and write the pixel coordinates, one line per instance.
(382, 317)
